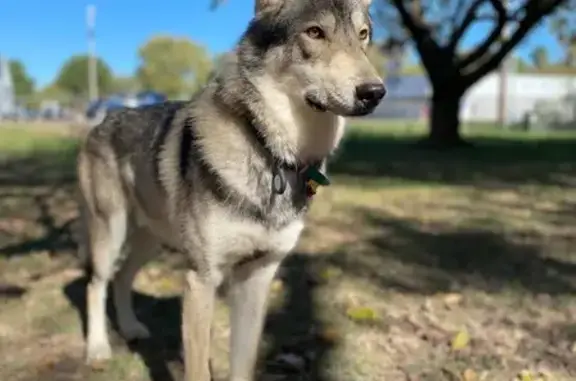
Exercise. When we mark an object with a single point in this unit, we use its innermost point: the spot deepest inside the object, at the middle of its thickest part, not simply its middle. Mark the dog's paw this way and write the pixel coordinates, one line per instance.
(135, 331)
(97, 354)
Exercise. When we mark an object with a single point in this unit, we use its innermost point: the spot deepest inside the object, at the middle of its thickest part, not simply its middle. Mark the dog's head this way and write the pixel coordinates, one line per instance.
(317, 50)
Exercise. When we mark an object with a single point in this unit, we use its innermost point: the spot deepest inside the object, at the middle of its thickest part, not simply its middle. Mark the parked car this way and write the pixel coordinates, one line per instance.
(99, 108)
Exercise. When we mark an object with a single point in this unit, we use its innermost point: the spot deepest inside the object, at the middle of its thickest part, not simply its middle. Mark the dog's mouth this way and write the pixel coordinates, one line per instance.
(315, 104)
(360, 108)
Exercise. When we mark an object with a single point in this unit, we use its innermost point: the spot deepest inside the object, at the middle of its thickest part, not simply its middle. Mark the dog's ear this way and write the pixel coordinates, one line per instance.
(268, 5)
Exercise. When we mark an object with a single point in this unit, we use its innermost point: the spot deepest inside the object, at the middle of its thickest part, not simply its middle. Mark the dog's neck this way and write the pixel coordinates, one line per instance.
(292, 131)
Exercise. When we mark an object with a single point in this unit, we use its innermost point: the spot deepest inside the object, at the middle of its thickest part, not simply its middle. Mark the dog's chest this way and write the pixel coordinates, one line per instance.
(239, 237)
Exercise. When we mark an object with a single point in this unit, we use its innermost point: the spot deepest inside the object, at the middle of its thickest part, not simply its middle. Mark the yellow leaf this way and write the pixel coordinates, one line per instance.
(330, 272)
(525, 375)
(167, 284)
(469, 375)
(361, 314)
(460, 340)
(277, 286)
(451, 299)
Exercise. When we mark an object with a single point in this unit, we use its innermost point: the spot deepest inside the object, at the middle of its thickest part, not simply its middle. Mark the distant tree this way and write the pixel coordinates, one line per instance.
(172, 65)
(23, 83)
(521, 65)
(125, 84)
(539, 57)
(73, 76)
(49, 93)
(564, 26)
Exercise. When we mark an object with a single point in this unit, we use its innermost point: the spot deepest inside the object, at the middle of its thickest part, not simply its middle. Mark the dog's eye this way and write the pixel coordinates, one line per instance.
(363, 34)
(315, 33)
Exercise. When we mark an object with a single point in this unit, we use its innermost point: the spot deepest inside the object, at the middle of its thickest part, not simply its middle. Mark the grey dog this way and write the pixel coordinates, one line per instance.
(219, 178)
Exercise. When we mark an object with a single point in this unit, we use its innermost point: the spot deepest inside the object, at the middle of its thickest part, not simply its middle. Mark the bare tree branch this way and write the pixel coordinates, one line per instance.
(535, 10)
(418, 31)
(427, 47)
(469, 18)
(485, 46)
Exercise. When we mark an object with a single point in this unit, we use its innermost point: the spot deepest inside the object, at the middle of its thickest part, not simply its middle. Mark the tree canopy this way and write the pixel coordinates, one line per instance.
(172, 65)
(23, 83)
(73, 76)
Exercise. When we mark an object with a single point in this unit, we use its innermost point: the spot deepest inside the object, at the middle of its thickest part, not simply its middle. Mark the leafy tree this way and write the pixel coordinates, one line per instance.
(125, 84)
(173, 66)
(73, 76)
(436, 29)
(539, 57)
(23, 83)
(564, 25)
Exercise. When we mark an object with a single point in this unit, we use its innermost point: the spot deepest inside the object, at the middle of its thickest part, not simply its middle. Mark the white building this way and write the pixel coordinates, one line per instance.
(7, 102)
(525, 93)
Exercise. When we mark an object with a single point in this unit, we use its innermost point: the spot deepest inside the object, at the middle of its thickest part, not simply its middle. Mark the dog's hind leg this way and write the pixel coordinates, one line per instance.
(106, 238)
(105, 213)
(142, 248)
(248, 295)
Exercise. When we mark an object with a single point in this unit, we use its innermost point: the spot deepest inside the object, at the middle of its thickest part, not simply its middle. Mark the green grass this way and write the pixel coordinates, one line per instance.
(425, 244)
(25, 140)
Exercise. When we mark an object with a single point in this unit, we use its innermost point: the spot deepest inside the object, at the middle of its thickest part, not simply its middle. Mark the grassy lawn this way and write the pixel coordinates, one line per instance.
(415, 266)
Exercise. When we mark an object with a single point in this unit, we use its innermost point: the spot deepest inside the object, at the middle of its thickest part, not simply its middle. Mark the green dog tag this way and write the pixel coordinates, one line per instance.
(312, 173)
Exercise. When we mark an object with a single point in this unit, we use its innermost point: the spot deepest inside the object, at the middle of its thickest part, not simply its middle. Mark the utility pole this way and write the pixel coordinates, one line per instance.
(92, 64)
(502, 105)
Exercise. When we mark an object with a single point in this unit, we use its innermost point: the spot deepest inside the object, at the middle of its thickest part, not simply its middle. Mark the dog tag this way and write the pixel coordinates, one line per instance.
(278, 181)
(314, 178)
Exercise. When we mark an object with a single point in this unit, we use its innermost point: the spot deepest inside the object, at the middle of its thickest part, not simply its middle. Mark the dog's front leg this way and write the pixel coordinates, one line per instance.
(248, 297)
(197, 311)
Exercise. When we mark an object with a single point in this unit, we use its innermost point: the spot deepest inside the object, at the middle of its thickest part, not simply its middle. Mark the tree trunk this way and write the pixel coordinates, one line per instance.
(444, 121)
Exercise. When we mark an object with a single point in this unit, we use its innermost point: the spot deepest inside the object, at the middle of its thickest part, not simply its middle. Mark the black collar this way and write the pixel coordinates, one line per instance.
(279, 165)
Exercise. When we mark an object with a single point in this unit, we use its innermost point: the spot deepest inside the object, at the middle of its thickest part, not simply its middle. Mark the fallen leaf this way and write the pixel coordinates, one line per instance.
(98, 365)
(330, 334)
(452, 299)
(469, 375)
(277, 286)
(526, 375)
(460, 340)
(167, 284)
(359, 314)
(330, 272)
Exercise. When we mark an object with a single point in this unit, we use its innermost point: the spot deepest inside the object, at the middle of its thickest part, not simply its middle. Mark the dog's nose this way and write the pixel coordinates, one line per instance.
(370, 92)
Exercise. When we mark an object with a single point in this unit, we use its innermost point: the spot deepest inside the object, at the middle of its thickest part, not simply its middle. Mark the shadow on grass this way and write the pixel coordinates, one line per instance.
(288, 330)
(405, 257)
(39, 168)
(491, 162)
(28, 185)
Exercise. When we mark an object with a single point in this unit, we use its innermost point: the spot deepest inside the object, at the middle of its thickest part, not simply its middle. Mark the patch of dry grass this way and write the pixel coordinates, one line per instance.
(415, 266)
